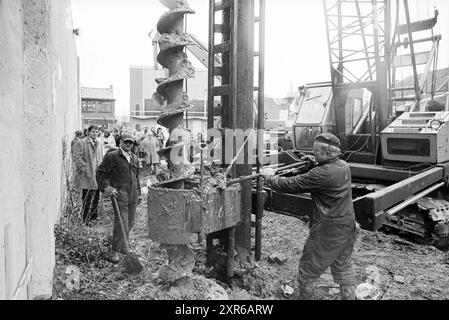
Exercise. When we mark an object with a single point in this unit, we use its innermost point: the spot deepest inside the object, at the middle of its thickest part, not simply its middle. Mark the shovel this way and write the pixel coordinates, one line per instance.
(131, 262)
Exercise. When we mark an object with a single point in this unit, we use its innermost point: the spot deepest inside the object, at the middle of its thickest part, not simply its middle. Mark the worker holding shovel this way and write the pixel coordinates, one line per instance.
(118, 178)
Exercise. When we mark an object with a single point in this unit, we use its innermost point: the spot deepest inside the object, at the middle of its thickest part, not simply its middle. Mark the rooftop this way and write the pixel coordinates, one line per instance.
(97, 93)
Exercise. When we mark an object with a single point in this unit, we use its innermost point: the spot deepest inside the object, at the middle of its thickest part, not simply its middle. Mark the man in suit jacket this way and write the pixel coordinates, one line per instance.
(88, 156)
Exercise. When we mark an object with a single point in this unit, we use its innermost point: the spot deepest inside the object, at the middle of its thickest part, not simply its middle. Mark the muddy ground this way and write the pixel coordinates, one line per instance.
(408, 271)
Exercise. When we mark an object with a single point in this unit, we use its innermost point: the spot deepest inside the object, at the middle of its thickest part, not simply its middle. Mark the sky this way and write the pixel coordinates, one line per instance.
(114, 36)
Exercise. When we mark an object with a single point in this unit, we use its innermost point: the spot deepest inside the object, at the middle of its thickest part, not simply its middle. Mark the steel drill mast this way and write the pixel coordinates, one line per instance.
(231, 36)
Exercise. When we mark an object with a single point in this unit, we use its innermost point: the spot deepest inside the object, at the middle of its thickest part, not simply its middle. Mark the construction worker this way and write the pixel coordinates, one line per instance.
(333, 227)
(88, 155)
(118, 176)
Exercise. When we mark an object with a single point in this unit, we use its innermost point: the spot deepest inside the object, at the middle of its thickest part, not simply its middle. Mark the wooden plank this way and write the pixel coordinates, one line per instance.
(24, 280)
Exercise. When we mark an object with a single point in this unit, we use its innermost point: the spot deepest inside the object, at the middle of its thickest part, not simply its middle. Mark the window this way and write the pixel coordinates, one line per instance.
(314, 105)
(305, 136)
(104, 107)
(137, 107)
(147, 104)
(408, 147)
(88, 106)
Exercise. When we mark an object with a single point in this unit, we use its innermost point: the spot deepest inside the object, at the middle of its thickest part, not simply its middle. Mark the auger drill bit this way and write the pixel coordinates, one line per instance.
(174, 100)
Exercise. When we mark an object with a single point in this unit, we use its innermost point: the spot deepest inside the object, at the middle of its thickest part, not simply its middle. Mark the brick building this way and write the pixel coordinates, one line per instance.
(98, 106)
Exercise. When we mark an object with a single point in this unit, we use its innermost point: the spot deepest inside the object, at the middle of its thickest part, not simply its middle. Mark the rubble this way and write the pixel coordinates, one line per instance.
(193, 288)
(366, 291)
(277, 258)
(399, 279)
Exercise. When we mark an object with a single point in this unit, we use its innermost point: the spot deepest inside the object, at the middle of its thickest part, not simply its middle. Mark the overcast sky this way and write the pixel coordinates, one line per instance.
(114, 36)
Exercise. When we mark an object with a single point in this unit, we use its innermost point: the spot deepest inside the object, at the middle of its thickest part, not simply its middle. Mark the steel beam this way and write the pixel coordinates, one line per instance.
(370, 210)
(372, 172)
(296, 205)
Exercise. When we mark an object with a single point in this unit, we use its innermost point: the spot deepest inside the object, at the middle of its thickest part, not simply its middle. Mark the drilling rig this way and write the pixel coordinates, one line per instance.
(200, 201)
(359, 105)
(395, 147)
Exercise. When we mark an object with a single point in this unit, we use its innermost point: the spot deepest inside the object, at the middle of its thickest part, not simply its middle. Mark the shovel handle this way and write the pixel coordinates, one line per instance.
(119, 218)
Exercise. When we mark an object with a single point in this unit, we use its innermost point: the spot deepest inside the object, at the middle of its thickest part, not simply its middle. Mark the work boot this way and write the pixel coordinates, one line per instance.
(114, 257)
(305, 292)
(347, 292)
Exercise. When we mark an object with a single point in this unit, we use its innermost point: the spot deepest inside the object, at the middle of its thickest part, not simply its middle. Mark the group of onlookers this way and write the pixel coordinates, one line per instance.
(90, 146)
(149, 143)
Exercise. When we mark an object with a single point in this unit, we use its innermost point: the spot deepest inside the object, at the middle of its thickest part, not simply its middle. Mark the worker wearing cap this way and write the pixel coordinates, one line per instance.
(118, 176)
(333, 227)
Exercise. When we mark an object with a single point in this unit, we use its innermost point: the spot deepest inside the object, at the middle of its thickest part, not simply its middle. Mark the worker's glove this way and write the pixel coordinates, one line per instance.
(267, 172)
(110, 192)
(310, 160)
(295, 172)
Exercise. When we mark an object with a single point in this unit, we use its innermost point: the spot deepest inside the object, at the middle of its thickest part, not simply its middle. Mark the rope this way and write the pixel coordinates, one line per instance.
(238, 153)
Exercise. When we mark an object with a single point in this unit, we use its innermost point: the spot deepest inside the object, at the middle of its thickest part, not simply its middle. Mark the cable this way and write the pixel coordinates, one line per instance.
(361, 148)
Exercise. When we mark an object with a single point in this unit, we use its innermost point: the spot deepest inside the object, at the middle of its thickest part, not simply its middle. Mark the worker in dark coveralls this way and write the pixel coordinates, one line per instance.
(118, 176)
(333, 227)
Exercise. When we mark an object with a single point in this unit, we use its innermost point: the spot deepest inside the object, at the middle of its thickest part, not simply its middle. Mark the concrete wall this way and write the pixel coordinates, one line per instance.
(40, 111)
(12, 182)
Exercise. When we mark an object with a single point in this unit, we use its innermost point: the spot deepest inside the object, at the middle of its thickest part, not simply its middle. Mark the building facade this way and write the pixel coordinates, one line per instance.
(144, 111)
(39, 95)
(98, 106)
